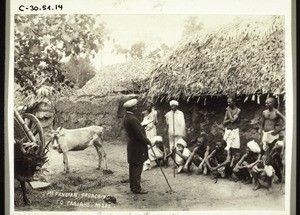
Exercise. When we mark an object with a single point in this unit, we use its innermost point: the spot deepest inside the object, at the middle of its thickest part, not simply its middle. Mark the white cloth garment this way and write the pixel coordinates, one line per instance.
(176, 128)
(179, 160)
(153, 154)
(150, 128)
(253, 146)
(268, 138)
(232, 138)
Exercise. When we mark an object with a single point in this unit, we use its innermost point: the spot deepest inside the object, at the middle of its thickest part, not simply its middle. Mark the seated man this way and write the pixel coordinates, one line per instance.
(218, 160)
(277, 156)
(181, 154)
(235, 158)
(245, 165)
(198, 155)
(263, 174)
(156, 154)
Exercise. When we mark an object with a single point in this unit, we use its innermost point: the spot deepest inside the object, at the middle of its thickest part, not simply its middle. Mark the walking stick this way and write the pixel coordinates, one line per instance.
(174, 165)
(171, 190)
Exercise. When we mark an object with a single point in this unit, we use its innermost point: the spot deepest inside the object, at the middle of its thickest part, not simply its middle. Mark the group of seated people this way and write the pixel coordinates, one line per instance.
(253, 166)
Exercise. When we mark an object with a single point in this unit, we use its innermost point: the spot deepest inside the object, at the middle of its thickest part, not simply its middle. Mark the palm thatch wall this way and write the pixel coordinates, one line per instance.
(245, 57)
(118, 78)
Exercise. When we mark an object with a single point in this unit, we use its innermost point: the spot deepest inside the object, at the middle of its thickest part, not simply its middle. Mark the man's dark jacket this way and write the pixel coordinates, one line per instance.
(137, 151)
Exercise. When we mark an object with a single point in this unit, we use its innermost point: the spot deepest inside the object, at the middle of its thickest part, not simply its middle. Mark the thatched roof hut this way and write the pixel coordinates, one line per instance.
(118, 78)
(245, 57)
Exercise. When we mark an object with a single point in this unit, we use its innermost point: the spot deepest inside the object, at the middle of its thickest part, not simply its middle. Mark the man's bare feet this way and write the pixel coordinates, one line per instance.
(205, 170)
(249, 181)
(185, 169)
(256, 187)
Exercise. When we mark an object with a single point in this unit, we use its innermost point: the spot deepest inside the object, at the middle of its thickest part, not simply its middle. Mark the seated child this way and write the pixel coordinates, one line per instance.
(245, 165)
(218, 160)
(181, 154)
(263, 174)
(198, 155)
(156, 154)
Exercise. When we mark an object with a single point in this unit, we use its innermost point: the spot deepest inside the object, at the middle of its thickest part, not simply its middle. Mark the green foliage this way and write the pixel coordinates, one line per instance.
(42, 41)
(79, 70)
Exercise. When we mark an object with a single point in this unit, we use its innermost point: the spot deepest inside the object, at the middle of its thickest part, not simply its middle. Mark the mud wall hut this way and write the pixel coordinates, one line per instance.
(100, 100)
(245, 57)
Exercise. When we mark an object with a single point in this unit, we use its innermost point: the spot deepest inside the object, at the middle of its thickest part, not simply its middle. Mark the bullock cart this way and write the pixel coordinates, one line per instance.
(30, 152)
(27, 128)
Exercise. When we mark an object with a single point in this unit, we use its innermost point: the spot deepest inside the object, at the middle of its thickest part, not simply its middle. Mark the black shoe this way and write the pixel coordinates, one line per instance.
(125, 181)
(140, 191)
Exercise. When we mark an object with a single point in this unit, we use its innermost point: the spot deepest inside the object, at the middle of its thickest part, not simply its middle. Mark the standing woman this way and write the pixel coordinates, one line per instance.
(150, 121)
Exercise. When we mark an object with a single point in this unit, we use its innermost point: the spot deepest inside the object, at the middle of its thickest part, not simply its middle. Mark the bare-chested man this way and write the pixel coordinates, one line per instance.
(231, 123)
(268, 130)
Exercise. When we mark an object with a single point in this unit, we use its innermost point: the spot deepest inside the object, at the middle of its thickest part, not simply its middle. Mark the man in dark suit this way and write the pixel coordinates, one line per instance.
(137, 151)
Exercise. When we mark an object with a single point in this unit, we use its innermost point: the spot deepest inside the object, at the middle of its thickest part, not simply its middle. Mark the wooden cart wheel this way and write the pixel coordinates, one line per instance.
(35, 127)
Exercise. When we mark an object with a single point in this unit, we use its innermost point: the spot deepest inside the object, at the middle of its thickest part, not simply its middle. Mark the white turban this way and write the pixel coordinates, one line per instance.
(156, 139)
(269, 170)
(173, 102)
(280, 143)
(130, 103)
(253, 146)
(182, 142)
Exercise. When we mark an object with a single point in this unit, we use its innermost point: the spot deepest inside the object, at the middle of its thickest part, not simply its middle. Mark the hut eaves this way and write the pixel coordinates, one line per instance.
(245, 57)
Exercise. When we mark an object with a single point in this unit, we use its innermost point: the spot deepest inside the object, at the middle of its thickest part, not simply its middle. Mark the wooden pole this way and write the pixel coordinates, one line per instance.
(174, 165)
(24, 126)
(161, 169)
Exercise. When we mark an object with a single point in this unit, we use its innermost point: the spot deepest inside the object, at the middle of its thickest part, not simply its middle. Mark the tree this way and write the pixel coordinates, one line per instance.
(79, 70)
(158, 53)
(140, 50)
(42, 41)
(191, 26)
(137, 50)
(118, 49)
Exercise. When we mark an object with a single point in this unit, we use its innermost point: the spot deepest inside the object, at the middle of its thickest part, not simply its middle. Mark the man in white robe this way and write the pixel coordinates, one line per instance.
(176, 124)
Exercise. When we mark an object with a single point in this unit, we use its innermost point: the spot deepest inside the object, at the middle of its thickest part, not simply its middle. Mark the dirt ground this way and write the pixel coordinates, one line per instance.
(84, 188)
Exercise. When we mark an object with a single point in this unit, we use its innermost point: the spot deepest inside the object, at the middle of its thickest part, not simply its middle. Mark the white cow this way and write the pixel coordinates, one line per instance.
(65, 140)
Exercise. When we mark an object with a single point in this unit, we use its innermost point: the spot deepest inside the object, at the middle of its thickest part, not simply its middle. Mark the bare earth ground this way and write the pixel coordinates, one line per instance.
(192, 192)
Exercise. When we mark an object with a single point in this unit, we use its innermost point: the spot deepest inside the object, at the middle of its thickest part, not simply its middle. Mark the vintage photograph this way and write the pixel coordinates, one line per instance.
(149, 112)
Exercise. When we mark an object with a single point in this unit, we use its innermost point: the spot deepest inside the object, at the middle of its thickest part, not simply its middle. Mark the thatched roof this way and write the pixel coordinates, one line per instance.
(124, 77)
(245, 57)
